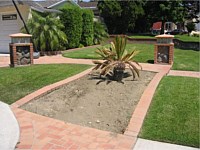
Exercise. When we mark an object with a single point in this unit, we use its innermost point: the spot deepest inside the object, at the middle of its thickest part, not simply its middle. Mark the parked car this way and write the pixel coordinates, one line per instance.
(177, 31)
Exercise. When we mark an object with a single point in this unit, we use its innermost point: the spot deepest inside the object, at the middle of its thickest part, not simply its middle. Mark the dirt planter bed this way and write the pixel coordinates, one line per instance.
(89, 101)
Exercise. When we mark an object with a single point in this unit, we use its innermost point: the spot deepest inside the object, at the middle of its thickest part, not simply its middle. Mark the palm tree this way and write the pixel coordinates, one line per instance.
(47, 32)
(99, 32)
(116, 58)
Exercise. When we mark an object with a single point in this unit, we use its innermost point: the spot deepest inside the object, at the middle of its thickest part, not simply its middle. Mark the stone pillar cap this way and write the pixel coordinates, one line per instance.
(164, 36)
(20, 35)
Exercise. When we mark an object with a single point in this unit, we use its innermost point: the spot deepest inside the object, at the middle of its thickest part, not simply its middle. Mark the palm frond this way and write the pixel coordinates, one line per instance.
(135, 68)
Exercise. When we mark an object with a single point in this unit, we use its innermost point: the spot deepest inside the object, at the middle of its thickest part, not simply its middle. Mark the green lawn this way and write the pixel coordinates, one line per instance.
(184, 37)
(183, 59)
(17, 82)
(187, 38)
(143, 36)
(174, 112)
(186, 60)
(84, 53)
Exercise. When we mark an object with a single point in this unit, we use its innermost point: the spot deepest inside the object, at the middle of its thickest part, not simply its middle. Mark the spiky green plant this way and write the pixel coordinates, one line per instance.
(47, 32)
(116, 59)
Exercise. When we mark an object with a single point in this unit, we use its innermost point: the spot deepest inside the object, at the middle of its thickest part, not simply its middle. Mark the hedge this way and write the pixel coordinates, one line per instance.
(88, 31)
(71, 17)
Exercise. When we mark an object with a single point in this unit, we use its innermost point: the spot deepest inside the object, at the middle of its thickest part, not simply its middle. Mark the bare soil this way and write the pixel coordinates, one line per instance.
(93, 102)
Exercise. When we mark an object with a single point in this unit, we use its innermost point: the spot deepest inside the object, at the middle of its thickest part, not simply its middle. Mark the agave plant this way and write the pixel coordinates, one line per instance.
(116, 58)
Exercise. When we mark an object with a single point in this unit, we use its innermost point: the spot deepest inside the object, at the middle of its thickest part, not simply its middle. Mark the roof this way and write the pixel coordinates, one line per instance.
(88, 4)
(48, 3)
(157, 26)
(38, 5)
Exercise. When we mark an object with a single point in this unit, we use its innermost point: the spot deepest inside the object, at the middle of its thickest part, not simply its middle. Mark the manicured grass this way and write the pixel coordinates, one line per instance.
(184, 37)
(183, 59)
(17, 82)
(84, 53)
(145, 54)
(143, 36)
(174, 113)
(186, 60)
(187, 38)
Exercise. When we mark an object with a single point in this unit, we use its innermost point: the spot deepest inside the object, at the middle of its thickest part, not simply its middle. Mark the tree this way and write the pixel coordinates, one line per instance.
(47, 32)
(119, 16)
(100, 32)
(72, 19)
(165, 11)
(88, 30)
(190, 27)
(191, 10)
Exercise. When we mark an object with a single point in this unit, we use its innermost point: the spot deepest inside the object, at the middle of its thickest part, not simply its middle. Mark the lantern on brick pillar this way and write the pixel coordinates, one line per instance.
(21, 49)
(164, 49)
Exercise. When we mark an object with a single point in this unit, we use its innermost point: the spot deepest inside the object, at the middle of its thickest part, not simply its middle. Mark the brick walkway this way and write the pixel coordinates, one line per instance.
(39, 132)
(184, 73)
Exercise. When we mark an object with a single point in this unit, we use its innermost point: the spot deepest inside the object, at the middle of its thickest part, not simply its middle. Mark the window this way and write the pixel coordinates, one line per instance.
(9, 17)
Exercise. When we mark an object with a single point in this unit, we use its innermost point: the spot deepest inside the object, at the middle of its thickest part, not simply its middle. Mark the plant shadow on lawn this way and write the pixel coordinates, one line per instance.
(150, 61)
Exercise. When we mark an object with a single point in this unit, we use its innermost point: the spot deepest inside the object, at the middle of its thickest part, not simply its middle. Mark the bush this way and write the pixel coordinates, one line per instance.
(72, 20)
(100, 32)
(190, 27)
(88, 31)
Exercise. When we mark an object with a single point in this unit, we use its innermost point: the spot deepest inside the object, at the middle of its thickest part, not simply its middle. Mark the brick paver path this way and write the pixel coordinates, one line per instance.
(40, 132)
(184, 73)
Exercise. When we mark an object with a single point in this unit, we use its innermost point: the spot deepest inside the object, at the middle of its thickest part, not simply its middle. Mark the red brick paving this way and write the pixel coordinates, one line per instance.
(184, 73)
(40, 132)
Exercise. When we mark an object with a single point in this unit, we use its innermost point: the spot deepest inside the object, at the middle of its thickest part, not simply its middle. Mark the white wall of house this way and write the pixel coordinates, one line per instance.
(197, 26)
(10, 26)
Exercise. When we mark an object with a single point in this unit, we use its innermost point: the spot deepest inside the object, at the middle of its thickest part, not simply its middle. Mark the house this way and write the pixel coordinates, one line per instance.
(168, 27)
(92, 5)
(10, 21)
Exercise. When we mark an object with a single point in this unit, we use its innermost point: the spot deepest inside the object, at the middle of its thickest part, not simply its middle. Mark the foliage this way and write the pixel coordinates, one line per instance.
(119, 16)
(18, 82)
(99, 32)
(47, 32)
(87, 31)
(191, 10)
(190, 27)
(116, 58)
(173, 116)
(71, 17)
(172, 11)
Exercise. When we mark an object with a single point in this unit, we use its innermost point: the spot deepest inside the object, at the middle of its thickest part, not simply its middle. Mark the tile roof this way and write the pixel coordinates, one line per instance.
(37, 5)
(88, 4)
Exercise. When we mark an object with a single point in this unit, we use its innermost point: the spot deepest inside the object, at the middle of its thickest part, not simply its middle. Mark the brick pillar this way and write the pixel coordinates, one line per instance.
(31, 52)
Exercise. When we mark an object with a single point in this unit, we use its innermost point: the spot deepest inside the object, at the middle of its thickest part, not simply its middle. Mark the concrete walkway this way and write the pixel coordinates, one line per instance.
(39, 132)
(143, 144)
(9, 128)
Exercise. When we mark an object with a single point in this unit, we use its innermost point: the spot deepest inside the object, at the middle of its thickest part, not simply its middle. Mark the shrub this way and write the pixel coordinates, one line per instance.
(72, 20)
(190, 27)
(47, 32)
(115, 60)
(100, 32)
(88, 31)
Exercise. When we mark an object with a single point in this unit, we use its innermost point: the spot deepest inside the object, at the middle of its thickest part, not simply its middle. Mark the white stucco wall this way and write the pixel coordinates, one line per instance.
(11, 26)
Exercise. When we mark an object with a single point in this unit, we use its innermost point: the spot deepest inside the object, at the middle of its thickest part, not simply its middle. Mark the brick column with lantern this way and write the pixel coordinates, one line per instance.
(21, 49)
(164, 49)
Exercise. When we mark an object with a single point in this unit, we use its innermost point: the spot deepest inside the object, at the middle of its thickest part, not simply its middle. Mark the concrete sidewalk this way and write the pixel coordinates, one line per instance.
(9, 128)
(143, 144)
